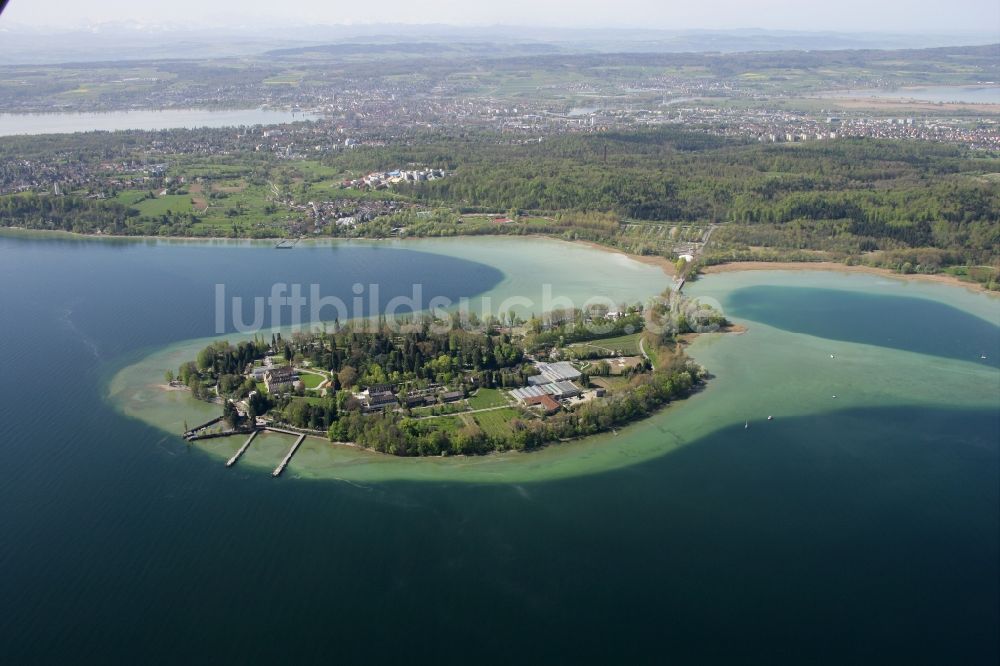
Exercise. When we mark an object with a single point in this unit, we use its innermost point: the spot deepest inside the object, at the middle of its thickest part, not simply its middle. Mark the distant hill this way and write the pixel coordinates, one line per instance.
(389, 48)
(128, 41)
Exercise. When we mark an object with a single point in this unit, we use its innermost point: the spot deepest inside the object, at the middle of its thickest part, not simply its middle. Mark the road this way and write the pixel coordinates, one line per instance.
(468, 411)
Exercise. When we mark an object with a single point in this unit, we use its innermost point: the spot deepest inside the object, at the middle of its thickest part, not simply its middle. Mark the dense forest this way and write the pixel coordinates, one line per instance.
(852, 196)
(891, 203)
(362, 358)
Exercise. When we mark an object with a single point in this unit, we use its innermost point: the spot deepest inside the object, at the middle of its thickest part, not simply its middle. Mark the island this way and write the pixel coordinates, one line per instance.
(455, 386)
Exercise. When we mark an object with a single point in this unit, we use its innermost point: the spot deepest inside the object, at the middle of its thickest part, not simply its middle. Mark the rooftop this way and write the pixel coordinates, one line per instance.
(554, 372)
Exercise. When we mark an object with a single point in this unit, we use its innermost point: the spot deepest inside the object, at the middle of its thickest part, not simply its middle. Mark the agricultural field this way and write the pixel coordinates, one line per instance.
(497, 423)
(624, 345)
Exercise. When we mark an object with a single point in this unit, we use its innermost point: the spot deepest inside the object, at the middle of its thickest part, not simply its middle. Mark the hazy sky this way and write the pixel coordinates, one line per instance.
(981, 16)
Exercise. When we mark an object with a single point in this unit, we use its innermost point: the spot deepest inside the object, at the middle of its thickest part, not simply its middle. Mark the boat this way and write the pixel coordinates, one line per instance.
(770, 418)
(746, 425)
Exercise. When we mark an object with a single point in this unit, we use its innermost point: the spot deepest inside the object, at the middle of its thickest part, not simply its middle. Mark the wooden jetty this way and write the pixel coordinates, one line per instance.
(291, 452)
(246, 445)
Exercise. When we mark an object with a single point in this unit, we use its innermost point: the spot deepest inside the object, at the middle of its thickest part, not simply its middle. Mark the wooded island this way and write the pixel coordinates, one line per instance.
(433, 387)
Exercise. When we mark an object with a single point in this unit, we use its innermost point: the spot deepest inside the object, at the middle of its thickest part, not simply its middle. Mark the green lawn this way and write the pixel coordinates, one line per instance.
(497, 422)
(312, 400)
(310, 380)
(487, 398)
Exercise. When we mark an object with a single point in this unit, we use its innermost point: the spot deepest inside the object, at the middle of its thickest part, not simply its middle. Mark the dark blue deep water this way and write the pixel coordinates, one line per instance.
(857, 537)
(907, 323)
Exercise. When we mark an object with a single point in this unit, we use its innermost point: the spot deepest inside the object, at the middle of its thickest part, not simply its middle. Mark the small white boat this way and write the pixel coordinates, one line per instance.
(832, 356)
(746, 425)
(982, 356)
(770, 418)
(834, 397)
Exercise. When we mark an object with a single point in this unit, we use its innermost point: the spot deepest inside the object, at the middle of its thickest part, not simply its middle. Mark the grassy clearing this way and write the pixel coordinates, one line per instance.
(612, 383)
(487, 398)
(130, 197)
(175, 203)
(497, 423)
(446, 423)
(440, 409)
(653, 352)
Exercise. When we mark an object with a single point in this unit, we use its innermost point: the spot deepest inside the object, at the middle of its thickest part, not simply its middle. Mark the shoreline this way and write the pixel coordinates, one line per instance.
(650, 260)
(337, 460)
(661, 262)
(939, 278)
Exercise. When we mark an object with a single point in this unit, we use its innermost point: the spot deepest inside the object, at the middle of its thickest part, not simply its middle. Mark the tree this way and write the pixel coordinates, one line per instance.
(230, 414)
(258, 404)
(206, 357)
(347, 376)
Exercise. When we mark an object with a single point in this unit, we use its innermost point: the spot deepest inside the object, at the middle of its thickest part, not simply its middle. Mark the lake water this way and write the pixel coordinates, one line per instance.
(856, 529)
(143, 119)
(984, 94)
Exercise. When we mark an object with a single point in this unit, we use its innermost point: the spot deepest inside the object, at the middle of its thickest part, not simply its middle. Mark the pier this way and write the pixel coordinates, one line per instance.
(291, 452)
(194, 431)
(215, 435)
(246, 445)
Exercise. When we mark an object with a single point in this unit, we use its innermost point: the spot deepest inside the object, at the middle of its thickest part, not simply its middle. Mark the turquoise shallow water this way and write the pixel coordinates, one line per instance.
(860, 529)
